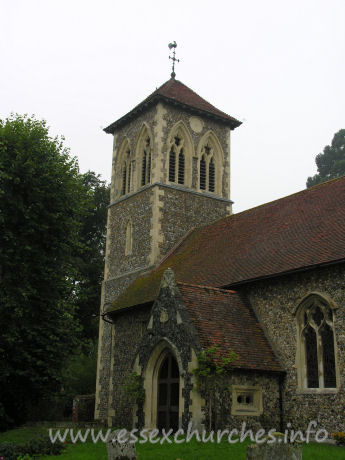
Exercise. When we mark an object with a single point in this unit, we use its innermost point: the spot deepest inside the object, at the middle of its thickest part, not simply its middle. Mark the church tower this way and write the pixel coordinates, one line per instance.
(170, 173)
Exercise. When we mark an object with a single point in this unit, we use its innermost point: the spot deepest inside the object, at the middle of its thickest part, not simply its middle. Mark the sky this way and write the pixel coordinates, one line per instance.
(278, 66)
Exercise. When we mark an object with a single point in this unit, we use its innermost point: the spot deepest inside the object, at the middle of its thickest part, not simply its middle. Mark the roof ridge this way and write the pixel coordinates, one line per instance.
(305, 190)
(228, 291)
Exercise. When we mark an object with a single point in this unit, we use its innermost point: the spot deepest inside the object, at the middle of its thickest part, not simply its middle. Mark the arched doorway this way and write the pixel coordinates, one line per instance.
(168, 394)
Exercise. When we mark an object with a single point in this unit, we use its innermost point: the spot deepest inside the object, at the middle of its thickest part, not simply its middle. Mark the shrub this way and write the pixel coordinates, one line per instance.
(11, 451)
(40, 445)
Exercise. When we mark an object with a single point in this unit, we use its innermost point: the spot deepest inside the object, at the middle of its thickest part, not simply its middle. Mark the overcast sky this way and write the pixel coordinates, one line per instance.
(278, 66)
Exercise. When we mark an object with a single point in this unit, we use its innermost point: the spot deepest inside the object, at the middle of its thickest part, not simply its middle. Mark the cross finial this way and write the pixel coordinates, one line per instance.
(173, 58)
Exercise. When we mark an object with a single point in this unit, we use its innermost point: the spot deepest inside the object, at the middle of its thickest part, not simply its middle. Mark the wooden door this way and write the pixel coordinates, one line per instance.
(168, 394)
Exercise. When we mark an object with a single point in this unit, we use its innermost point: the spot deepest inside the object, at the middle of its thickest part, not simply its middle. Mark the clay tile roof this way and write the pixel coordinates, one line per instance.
(176, 93)
(223, 318)
(303, 230)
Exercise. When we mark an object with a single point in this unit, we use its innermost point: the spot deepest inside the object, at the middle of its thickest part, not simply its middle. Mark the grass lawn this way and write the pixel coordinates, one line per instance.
(186, 451)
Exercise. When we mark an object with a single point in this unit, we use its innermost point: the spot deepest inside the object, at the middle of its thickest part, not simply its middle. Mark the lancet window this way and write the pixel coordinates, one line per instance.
(177, 161)
(146, 162)
(207, 169)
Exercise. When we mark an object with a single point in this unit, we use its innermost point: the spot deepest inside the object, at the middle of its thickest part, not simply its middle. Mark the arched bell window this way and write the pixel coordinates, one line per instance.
(124, 163)
(180, 152)
(316, 344)
(142, 175)
(211, 164)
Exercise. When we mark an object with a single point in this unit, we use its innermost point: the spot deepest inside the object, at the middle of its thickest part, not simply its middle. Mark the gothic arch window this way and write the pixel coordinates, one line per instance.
(180, 154)
(210, 164)
(124, 166)
(129, 239)
(143, 155)
(316, 356)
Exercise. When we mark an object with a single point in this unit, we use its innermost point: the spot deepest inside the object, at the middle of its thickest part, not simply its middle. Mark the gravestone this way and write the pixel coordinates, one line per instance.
(276, 451)
(120, 450)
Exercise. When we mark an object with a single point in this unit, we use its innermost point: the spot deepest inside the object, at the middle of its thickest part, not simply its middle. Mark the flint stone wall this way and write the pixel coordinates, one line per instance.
(138, 332)
(275, 302)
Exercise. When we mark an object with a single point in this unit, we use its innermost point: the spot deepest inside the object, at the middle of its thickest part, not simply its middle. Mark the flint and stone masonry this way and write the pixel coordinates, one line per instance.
(150, 217)
(275, 301)
(161, 213)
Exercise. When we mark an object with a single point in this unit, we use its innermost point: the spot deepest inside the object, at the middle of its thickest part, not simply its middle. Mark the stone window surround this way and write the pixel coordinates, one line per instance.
(216, 152)
(181, 131)
(124, 161)
(300, 365)
(141, 146)
(254, 409)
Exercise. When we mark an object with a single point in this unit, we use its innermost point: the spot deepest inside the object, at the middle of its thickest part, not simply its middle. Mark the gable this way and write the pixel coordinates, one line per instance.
(223, 318)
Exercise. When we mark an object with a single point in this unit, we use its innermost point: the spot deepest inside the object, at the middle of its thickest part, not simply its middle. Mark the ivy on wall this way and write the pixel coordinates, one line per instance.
(212, 379)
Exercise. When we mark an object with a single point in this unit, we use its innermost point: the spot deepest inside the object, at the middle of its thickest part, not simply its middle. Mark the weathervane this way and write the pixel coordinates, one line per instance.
(173, 58)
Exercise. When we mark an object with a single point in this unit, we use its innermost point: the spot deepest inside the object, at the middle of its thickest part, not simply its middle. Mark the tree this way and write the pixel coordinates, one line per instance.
(79, 373)
(89, 261)
(42, 201)
(330, 163)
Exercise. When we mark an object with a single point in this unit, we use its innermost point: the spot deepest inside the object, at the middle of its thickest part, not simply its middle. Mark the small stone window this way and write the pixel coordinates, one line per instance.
(316, 361)
(177, 161)
(129, 239)
(246, 400)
